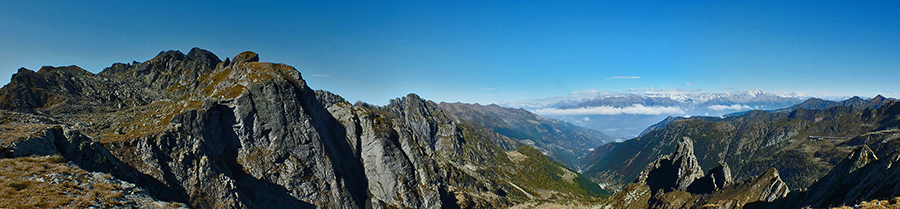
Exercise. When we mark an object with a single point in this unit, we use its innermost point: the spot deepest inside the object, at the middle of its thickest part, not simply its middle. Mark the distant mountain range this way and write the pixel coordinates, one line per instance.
(803, 142)
(625, 115)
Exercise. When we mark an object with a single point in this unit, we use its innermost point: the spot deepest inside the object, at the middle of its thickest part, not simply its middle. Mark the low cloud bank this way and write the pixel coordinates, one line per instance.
(623, 77)
(729, 107)
(636, 109)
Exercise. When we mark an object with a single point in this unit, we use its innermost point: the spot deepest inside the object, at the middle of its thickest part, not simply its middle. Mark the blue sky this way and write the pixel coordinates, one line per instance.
(486, 52)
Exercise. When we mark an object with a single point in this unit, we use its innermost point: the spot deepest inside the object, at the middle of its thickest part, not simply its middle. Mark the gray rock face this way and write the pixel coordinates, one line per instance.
(716, 179)
(398, 152)
(675, 172)
(721, 176)
(771, 186)
(249, 134)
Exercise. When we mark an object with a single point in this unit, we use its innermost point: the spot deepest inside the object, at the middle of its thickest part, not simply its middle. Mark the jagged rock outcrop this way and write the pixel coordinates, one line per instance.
(716, 179)
(676, 182)
(772, 186)
(759, 190)
(675, 172)
(241, 133)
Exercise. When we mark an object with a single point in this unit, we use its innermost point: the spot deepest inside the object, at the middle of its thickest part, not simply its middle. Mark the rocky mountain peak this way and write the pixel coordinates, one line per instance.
(169, 55)
(204, 56)
(71, 70)
(716, 179)
(675, 172)
(246, 56)
(684, 149)
(721, 175)
(755, 92)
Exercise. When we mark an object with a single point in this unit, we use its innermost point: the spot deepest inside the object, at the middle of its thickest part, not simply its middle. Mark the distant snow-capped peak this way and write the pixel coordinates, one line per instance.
(684, 98)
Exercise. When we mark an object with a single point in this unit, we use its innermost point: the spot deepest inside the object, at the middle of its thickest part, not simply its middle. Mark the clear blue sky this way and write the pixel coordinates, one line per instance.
(486, 51)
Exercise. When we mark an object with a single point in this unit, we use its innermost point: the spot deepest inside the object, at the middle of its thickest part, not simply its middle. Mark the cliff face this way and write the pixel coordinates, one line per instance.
(243, 133)
(675, 172)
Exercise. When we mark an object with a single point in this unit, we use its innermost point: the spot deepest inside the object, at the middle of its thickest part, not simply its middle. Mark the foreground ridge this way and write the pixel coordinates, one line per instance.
(241, 133)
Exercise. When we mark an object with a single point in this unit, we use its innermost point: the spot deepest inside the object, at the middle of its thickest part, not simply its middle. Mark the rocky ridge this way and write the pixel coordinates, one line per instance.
(675, 172)
(803, 144)
(676, 181)
(243, 134)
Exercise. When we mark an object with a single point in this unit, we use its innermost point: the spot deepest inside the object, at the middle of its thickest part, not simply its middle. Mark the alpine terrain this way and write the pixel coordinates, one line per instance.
(191, 130)
(817, 153)
(194, 131)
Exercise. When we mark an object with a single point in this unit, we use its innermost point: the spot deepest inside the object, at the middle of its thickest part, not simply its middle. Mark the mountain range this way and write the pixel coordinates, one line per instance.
(191, 130)
(815, 154)
(804, 144)
(625, 115)
(194, 131)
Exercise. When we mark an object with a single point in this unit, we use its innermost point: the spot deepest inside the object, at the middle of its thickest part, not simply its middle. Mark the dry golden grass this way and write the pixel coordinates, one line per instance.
(14, 133)
(48, 182)
(137, 122)
(876, 204)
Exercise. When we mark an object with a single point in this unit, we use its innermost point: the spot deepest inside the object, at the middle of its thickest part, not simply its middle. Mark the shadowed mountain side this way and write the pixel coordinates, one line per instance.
(860, 176)
(561, 141)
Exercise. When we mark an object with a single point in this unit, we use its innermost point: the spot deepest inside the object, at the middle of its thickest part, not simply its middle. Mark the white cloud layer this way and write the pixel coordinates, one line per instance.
(624, 77)
(636, 109)
(729, 107)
